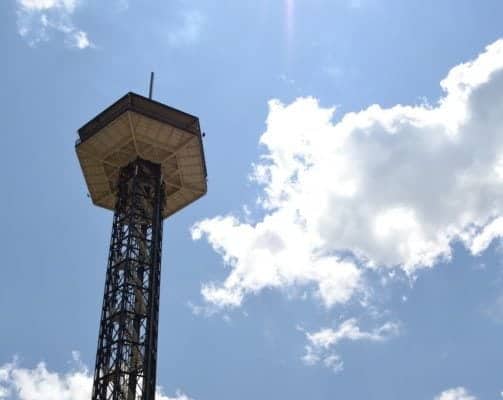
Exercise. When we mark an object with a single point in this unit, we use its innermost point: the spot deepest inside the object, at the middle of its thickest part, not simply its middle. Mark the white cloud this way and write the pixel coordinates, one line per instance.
(270, 260)
(321, 346)
(38, 19)
(482, 240)
(393, 187)
(458, 393)
(178, 396)
(39, 5)
(81, 40)
(39, 383)
(189, 29)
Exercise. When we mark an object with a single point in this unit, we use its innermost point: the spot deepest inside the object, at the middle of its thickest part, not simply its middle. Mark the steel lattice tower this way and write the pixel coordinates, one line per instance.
(145, 161)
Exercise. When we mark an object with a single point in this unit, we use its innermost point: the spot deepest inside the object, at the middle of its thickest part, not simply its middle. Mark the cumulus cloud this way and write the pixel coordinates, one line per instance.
(458, 393)
(38, 19)
(188, 30)
(39, 383)
(380, 188)
(321, 345)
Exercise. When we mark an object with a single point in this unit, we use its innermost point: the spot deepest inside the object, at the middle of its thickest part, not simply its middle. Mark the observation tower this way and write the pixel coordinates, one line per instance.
(144, 161)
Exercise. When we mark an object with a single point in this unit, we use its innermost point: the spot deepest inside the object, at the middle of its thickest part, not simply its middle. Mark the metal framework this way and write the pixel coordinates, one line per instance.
(127, 346)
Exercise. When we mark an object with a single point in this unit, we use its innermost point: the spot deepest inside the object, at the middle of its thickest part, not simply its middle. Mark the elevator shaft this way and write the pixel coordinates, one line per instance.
(126, 358)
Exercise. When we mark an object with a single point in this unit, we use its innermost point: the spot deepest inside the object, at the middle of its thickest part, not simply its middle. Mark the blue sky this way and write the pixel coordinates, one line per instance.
(348, 246)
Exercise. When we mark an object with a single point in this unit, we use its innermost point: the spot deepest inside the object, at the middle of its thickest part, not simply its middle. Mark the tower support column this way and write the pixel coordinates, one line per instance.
(126, 358)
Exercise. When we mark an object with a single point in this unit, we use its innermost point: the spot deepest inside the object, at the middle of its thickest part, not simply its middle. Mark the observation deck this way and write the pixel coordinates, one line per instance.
(137, 127)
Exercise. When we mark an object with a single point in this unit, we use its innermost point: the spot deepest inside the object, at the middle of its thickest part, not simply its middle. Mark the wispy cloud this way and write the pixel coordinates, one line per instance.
(495, 310)
(39, 20)
(322, 345)
(178, 396)
(188, 29)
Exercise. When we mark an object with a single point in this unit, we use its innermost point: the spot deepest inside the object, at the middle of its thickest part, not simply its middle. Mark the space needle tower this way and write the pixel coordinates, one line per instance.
(144, 161)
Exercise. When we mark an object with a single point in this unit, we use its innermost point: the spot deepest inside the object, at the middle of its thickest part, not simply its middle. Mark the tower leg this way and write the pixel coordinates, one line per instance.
(126, 359)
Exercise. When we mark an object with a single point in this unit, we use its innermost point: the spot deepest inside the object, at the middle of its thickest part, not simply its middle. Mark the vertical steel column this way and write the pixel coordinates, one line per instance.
(127, 345)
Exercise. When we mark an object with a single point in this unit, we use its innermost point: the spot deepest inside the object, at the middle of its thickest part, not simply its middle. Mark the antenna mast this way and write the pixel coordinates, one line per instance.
(151, 88)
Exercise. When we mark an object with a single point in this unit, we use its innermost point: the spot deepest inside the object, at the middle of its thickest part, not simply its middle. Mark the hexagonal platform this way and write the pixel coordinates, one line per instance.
(136, 126)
